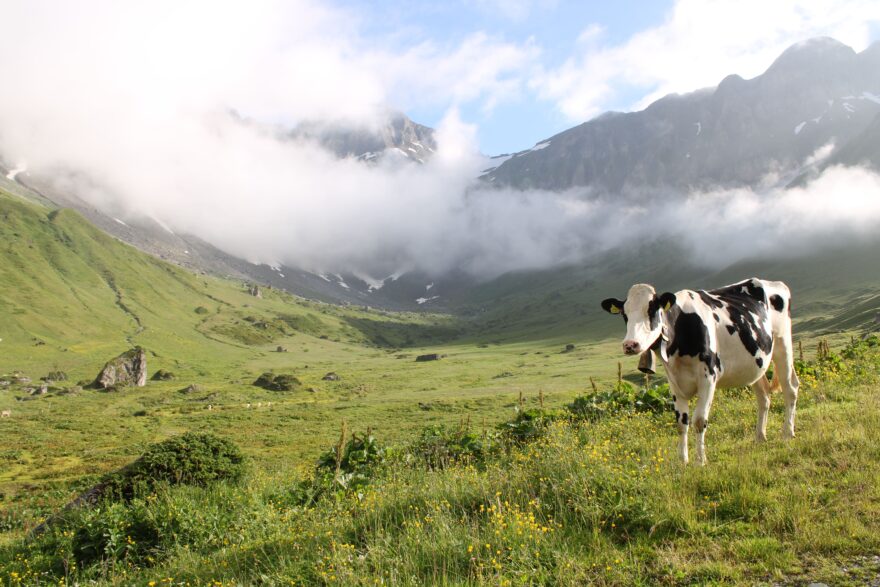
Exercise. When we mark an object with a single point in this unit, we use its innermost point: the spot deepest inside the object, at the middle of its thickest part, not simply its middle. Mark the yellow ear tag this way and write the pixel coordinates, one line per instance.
(615, 310)
(667, 306)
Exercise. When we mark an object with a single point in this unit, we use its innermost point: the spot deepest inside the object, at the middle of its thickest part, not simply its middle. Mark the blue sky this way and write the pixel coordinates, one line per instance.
(553, 30)
(556, 26)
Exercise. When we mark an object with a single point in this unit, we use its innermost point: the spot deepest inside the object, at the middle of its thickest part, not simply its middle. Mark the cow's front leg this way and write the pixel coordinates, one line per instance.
(682, 418)
(705, 394)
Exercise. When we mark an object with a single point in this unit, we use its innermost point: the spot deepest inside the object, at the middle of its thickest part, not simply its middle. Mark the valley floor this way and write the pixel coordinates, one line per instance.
(601, 503)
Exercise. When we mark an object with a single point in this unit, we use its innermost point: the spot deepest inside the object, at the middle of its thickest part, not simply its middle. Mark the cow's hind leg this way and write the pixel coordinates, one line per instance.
(785, 376)
(705, 395)
(762, 397)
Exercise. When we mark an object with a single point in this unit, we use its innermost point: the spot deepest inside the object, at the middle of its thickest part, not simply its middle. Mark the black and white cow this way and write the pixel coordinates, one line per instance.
(719, 338)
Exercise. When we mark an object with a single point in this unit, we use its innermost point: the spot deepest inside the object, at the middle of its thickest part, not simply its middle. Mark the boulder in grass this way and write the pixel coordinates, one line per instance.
(163, 375)
(429, 357)
(55, 376)
(128, 369)
(274, 382)
(331, 377)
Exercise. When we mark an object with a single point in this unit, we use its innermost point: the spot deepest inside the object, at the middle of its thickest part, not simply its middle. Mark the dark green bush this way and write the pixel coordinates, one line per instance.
(348, 467)
(624, 397)
(274, 382)
(528, 425)
(189, 459)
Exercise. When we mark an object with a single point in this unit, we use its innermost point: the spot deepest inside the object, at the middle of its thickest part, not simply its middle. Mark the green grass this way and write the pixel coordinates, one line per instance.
(605, 503)
(73, 297)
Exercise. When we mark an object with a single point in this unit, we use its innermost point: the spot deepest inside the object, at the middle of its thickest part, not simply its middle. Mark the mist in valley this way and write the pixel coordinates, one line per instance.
(139, 120)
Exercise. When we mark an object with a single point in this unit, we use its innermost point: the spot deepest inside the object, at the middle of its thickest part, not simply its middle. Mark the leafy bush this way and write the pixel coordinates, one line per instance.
(528, 425)
(353, 465)
(624, 397)
(438, 447)
(118, 532)
(189, 459)
(346, 468)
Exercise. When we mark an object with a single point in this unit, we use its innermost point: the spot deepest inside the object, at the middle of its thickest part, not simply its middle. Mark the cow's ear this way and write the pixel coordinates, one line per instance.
(612, 306)
(666, 300)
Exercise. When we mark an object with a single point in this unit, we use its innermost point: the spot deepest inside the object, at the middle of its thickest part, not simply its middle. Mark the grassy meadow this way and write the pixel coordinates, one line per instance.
(601, 501)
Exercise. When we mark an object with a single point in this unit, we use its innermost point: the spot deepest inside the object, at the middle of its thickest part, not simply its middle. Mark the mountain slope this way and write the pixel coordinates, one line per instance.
(816, 92)
(396, 135)
(74, 296)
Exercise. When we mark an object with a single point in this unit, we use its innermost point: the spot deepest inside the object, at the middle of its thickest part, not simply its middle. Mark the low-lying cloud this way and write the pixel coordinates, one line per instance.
(124, 107)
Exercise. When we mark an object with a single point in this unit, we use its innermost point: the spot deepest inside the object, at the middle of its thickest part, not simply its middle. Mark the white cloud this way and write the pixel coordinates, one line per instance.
(699, 42)
(128, 104)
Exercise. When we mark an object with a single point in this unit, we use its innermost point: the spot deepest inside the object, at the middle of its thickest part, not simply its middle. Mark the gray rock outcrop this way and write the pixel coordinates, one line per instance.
(128, 369)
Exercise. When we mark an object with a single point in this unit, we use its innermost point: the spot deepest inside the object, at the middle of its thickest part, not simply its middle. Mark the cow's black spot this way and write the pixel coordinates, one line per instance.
(710, 300)
(684, 418)
(675, 399)
(677, 415)
(716, 316)
(777, 302)
(746, 305)
(654, 313)
(691, 339)
(691, 294)
(759, 361)
(731, 328)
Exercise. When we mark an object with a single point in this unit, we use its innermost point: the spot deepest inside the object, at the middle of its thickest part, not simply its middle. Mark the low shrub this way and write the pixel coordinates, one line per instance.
(624, 397)
(437, 447)
(189, 459)
(528, 425)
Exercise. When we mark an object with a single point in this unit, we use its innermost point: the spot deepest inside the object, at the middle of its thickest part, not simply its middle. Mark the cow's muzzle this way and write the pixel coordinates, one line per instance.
(631, 347)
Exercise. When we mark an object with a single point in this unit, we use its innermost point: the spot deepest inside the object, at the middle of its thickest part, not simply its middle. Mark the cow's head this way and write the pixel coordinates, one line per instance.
(641, 312)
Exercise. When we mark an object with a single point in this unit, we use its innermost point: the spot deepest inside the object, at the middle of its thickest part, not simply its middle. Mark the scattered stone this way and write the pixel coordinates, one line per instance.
(22, 380)
(72, 390)
(201, 310)
(6, 414)
(163, 375)
(129, 368)
(428, 357)
(193, 388)
(281, 349)
(282, 382)
(568, 348)
(331, 376)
